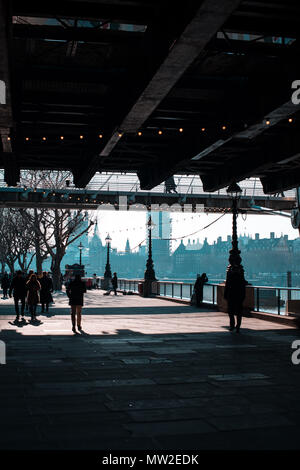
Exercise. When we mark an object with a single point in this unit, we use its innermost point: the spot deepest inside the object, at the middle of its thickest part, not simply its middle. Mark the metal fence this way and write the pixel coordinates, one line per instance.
(273, 299)
(184, 290)
(269, 299)
(128, 285)
(129, 183)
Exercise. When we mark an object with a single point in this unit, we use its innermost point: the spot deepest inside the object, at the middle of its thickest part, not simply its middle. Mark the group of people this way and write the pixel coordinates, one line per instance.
(234, 293)
(29, 292)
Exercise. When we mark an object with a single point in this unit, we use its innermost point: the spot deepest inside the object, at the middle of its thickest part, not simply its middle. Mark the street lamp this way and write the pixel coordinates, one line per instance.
(107, 274)
(149, 272)
(234, 254)
(80, 246)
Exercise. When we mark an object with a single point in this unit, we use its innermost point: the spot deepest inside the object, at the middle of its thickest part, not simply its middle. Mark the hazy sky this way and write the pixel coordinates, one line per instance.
(122, 225)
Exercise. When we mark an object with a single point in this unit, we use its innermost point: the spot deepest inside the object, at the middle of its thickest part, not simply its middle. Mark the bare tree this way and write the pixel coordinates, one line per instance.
(16, 240)
(54, 229)
(58, 230)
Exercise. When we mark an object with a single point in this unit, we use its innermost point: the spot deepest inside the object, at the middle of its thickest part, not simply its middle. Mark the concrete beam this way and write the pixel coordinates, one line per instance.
(206, 23)
(285, 181)
(5, 108)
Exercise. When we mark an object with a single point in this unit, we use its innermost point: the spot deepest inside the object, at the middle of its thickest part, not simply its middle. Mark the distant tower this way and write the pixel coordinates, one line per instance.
(127, 247)
(161, 242)
(96, 252)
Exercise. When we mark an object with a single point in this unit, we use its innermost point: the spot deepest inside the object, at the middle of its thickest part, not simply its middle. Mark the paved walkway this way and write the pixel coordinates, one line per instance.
(146, 374)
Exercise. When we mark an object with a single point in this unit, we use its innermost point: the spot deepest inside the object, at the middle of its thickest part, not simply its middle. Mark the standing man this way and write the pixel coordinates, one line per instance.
(114, 282)
(18, 287)
(46, 291)
(234, 293)
(75, 291)
(198, 288)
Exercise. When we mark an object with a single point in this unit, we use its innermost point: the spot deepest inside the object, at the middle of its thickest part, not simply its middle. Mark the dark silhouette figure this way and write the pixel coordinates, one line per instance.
(198, 288)
(46, 291)
(170, 185)
(5, 285)
(234, 293)
(33, 288)
(114, 282)
(26, 280)
(18, 288)
(75, 291)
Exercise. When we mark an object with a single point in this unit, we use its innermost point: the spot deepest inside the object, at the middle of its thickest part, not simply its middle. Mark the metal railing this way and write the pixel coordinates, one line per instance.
(129, 183)
(273, 299)
(128, 285)
(268, 299)
(184, 291)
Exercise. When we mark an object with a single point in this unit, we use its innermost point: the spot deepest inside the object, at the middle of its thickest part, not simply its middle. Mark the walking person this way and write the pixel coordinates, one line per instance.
(33, 288)
(75, 291)
(234, 293)
(46, 291)
(198, 288)
(18, 288)
(5, 283)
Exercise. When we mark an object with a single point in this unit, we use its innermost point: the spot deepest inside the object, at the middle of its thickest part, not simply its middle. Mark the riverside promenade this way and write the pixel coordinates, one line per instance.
(146, 374)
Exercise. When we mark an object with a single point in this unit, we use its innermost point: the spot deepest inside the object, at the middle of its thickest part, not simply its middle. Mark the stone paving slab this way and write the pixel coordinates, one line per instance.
(146, 374)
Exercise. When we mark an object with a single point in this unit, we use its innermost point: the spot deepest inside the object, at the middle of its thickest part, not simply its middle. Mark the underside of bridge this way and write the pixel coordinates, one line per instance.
(153, 88)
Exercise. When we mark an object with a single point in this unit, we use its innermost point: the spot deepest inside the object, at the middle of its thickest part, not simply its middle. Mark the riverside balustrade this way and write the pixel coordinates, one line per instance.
(269, 299)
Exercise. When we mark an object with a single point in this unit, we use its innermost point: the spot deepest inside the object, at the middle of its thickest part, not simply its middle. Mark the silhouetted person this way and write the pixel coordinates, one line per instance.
(33, 288)
(75, 292)
(170, 185)
(94, 281)
(114, 283)
(235, 293)
(5, 283)
(18, 288)
(26, 280)
(46, 291)
(198, 288)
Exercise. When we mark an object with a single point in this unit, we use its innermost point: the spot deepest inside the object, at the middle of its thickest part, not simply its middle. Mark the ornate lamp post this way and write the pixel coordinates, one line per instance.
(234, 254)
(107, 273)
(80, 246)
(149, 275)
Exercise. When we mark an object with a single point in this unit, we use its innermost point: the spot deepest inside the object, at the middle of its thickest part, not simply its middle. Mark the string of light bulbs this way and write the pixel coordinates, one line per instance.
(185, 236)
(139, 133)
(224, 211)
